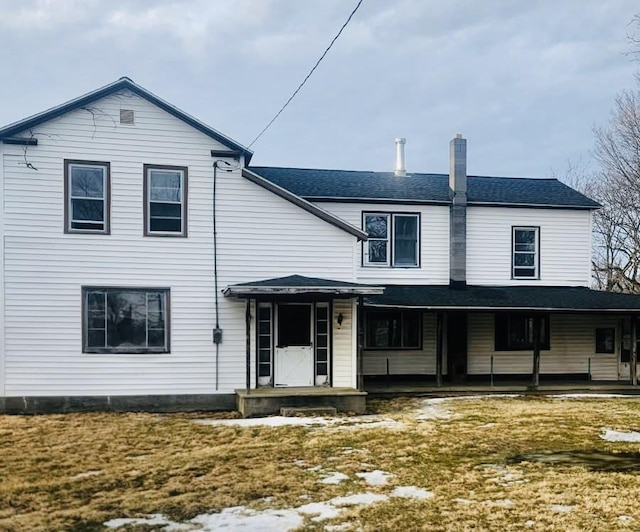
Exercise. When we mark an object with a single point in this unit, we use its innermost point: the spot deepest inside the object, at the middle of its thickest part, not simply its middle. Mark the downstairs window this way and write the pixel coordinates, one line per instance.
(125, 320)
(392, 329)
(514, 332)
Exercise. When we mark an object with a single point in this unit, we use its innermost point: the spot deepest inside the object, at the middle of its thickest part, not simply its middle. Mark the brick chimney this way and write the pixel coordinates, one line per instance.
(458, 212)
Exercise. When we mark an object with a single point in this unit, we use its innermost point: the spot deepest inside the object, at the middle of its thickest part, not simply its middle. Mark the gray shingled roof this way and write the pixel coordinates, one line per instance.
(504, 297)
(327, 185)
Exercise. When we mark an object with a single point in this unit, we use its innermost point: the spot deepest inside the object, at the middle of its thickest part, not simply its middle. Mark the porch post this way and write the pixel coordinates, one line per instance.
(536, 350)
(360, 354)
(247, 319)
(634, 350)
(439, 326)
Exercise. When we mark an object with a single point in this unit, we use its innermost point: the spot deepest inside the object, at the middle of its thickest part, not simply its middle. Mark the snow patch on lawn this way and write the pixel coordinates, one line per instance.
(561, 508)
(375, 478)
(620, 436)
(87, 474)
(433, 408)
(411, 492)
(344, 423)
(152, 520)
(334, 478)
(243, 518)
(505, 476)
(591, 396)
(358, 499)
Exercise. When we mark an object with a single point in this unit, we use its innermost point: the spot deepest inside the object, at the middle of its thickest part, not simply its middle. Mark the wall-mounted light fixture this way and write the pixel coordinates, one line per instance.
(340, 319)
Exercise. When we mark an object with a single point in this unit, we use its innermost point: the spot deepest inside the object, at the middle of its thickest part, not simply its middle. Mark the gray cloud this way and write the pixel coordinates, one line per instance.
(524, 81)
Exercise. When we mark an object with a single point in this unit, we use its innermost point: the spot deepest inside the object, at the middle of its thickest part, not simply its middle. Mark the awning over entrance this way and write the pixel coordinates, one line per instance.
(300, 285)
(544, 298)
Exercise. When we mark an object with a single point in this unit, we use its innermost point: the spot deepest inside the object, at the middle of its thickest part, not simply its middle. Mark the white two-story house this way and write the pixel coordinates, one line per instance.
(145, 264)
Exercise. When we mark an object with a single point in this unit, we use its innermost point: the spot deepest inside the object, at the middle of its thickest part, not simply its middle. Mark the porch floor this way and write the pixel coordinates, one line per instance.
(268, 401)
(427, 386)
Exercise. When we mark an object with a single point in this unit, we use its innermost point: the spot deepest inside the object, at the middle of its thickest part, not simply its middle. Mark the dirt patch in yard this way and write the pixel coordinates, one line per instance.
(446, 465)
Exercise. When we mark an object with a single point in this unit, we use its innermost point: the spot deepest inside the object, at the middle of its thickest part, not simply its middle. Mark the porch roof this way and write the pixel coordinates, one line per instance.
(525, 298)
(300, 285)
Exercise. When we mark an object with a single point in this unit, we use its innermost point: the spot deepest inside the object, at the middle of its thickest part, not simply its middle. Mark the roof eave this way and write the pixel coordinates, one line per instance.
(472, 203)
(506, 309)
(246, 291)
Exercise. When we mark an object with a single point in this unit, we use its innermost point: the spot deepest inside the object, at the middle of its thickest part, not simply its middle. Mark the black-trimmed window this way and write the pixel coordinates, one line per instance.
(86, 191)
(125, 320)
(165, 200)
(606, 340)
(393, 329)
(525, 262)
(514, 332)
(394, 239)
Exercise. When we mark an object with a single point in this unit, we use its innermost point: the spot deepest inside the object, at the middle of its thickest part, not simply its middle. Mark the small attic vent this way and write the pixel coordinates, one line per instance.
(126, 116)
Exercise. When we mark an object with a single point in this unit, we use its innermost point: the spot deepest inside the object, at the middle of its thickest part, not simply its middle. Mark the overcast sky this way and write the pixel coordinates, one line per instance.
(523, 81)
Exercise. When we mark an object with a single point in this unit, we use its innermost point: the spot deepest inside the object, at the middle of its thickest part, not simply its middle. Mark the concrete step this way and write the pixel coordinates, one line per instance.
(295, 411)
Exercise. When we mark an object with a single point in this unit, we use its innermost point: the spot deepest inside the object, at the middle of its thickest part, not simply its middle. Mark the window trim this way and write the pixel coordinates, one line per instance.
(67, 197)
(391, 240)
(147, 168)
(503, 344)
(402, 312)
(130, 351)
(536, 229)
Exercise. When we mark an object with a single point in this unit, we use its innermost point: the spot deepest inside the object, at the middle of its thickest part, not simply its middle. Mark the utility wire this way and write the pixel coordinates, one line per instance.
(308, 75)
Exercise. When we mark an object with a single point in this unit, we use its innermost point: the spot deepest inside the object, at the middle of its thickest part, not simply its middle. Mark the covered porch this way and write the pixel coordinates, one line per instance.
(501, 338)
(302, 344)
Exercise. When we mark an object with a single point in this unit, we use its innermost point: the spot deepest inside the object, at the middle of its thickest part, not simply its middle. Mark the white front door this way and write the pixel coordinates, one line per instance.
(294, 366)
(294, 348)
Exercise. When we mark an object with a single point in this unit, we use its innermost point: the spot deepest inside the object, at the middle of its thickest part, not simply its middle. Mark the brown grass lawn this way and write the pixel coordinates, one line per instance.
(76, 471)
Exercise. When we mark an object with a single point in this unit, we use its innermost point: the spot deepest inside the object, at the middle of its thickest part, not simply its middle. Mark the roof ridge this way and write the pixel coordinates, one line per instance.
(409, 174)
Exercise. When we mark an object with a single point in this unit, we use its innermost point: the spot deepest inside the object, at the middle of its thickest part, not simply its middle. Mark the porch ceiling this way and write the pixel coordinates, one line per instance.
(526, 298)
(300, 285)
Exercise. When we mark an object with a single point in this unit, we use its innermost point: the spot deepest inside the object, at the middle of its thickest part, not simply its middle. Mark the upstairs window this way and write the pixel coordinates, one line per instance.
(392, 329)
(125, 320)
(86, 190)
(525, 262)
(165, 193)
(393, 240)
(514, 332)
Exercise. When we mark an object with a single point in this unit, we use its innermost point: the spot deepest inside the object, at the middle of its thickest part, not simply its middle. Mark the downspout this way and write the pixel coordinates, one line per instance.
(217, 332)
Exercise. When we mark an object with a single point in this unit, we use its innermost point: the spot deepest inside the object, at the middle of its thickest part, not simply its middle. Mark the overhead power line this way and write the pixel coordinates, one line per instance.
(308, 75)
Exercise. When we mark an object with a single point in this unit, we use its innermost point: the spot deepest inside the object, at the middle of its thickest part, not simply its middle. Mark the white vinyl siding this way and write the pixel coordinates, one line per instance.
(407, 362)
(433, 245)
(2, 291)
(572, 339)
(344, 344)
(46, 268)
(564, 245)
